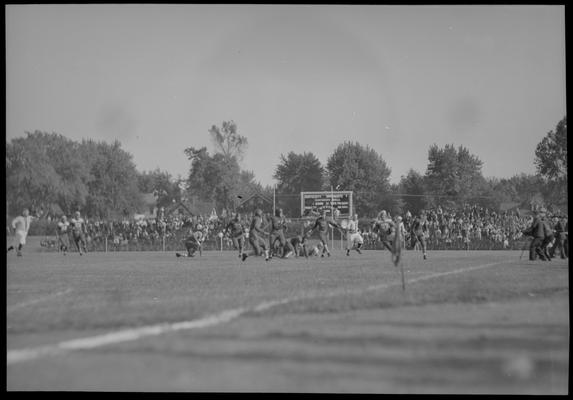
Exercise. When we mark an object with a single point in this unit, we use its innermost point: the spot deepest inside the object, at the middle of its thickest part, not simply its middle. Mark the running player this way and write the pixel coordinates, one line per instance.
(383, 226)
(236, 231)
(78, 225)
(399, 232)
(353, 236)
(389, 235)
(258, 244)
(298, 244)
(278, 224)
(321, 224)
(62, 232)
(193, 242)
(420, 231)
(21, 225)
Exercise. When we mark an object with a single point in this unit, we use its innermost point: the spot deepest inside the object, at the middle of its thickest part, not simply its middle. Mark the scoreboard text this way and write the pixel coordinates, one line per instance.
(312, 202)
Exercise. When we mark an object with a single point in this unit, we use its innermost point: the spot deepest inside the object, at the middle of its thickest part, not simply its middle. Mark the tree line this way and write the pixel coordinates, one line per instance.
(51, 173)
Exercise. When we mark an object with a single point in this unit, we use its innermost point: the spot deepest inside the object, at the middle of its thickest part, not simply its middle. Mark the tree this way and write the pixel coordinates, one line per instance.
(412, 186)
(113, 191)
(551, 162)
(453, 173)
(203, 174)
(43, 171)
(297, 173)
(160, 183)
(48, 171)
(523, 189)
(228, 142)
(363, 171)
(218, 178)
(212, 178)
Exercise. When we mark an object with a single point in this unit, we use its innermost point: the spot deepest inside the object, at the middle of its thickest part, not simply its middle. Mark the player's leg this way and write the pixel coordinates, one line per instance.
(561, 245)
(77, 243)
(304, 250)
(14, 244)
(84, 243)
(239, 243)
(422, 240)
(64, 244)
(397, 248)
(553, 248)
(358, 242)
(297, 250)
(272, 244)
(387, 244)
(236, 245)
(191, 247)
(545, 246)
(288, 250)
(255, 245)
(535, 249)
(324, 241)
(21, 242)
(266, 250)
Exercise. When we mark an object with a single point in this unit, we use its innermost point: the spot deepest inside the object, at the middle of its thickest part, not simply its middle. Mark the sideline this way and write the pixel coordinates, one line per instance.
(16, 356)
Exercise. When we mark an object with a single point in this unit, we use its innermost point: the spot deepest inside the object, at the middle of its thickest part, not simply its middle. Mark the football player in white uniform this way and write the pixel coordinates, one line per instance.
(354, 240)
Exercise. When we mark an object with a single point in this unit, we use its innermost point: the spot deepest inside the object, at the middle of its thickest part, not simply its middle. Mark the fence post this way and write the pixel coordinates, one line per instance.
(106, 243)
(332, 237)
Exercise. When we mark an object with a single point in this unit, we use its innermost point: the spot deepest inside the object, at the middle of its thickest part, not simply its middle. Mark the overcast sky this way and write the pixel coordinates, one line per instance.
(293, 78)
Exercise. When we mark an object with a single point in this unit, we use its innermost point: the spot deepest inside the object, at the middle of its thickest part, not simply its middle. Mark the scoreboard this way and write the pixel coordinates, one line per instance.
(314, 201)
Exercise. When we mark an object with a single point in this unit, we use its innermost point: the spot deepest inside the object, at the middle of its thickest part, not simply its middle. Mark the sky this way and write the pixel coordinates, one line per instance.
(300, 78)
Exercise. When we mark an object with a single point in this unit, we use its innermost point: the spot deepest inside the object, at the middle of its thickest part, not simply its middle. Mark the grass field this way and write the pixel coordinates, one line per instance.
(482, 322)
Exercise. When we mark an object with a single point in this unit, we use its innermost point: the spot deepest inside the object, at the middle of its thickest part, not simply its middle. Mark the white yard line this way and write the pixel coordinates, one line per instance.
(16, 356)
(37, 300)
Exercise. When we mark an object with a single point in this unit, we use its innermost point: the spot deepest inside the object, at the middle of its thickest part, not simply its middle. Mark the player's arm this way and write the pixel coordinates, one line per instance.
(335, 225)
(313, 228)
